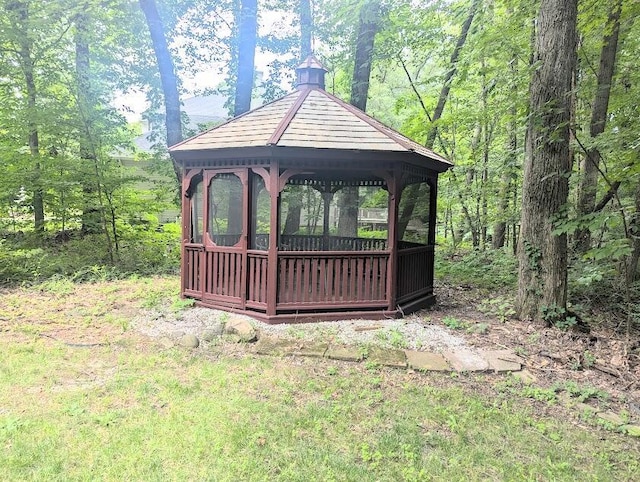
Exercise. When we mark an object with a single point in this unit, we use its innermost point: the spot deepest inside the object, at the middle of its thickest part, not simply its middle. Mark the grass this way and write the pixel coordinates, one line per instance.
(129, 410)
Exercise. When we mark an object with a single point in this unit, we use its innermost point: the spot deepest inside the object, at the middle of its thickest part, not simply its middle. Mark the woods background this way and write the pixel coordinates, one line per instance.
(536, 104)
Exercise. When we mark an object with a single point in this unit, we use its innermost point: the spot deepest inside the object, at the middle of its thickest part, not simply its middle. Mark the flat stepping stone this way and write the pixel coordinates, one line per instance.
(425, 361)
(502, 360)
(344, 353)
(387, 357)
(275, 346)
(310, 349)
(466, 361)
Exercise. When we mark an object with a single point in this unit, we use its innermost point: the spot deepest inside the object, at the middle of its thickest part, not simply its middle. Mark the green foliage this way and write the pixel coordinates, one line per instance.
(488, 269)
(499, 306)
(557, 316)
(454, 323)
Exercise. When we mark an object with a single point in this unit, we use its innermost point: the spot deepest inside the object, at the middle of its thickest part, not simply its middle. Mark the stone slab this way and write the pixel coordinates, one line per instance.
(633, 430)
(274, 346)
(425, 361)
(310, 349)
(344, 353)
(466, 361)
(502, 360)
(387, 357)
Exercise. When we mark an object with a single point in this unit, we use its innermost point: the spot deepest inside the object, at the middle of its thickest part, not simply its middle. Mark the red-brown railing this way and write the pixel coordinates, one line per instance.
(415, 272)
(193, 269)
(223, 274)
(297, 242)
(312, 279)
(257, 279)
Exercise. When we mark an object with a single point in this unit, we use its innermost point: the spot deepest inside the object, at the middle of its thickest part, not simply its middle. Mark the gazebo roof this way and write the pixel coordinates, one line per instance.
(307, 118)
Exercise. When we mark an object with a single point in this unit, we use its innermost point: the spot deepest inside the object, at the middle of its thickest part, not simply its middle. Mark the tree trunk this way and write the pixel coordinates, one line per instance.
(410, 194)
(25, 51)
(634, 231)
(91, 219)
(367, 29)
(167, 76)
(589, 180)
(542, 256)
(306, 27)
(500, 227)
(247, 31)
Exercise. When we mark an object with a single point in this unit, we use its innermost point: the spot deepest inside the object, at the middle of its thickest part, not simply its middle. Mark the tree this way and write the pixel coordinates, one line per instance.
(23, 49)
(246, 48)
(411, 194)
(591, 162)
(167, 76)
(367, 28)
(542, 255)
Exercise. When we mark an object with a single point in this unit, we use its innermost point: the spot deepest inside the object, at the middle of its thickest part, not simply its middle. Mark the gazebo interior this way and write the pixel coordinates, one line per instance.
(307, 209)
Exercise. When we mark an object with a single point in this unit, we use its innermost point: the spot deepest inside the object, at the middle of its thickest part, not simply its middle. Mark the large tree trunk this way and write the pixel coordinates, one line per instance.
(167, 76)
(589, 180)
(247, 31)
(542, 255)
(411, 194)
(367, 28)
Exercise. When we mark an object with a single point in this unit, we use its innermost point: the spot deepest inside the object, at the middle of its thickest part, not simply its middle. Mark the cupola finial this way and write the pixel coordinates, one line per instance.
(310, 73)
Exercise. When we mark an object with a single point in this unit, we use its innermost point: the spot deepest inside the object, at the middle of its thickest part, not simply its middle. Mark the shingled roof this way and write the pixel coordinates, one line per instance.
(307, 118)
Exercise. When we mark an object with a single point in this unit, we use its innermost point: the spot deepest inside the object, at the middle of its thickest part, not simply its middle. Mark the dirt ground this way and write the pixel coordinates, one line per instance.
(606, 358)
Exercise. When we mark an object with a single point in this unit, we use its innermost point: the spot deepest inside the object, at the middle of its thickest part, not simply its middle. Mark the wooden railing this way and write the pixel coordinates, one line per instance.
(330, 243)
(257, 279)
(223, 274)
(331, 280)
(415, 272)
(193, 269)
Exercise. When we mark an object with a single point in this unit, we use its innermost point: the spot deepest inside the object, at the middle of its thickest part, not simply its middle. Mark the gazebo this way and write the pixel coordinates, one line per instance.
(307, 209)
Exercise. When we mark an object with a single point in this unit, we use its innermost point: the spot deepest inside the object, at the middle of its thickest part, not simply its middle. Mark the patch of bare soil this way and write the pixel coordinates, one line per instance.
(605, 358)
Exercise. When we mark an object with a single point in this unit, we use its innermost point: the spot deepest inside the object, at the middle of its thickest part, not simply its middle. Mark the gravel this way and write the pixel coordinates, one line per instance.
(413, 332)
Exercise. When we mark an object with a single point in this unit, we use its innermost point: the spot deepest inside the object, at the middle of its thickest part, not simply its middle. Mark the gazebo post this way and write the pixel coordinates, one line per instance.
(272, 256)
(393, 185)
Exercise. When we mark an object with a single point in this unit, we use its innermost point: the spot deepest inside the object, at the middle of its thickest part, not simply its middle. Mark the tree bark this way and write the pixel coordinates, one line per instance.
(247, 32)
(168, 77)
(410, 194)
(589, 180)
(542, 256)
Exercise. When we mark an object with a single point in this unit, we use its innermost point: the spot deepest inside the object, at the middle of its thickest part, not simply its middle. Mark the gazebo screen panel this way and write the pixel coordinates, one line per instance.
(225, 209)
(415, 252)
(260, 214)
(310, 214)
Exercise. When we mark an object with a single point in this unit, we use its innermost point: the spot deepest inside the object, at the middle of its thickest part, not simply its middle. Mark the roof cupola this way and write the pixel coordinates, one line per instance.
(310, 74)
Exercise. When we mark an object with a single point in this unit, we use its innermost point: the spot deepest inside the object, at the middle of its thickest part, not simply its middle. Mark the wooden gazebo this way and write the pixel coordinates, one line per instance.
(264, 233)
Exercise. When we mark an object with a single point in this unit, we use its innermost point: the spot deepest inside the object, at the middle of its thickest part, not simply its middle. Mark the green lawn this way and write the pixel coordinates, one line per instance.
(131, 410)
